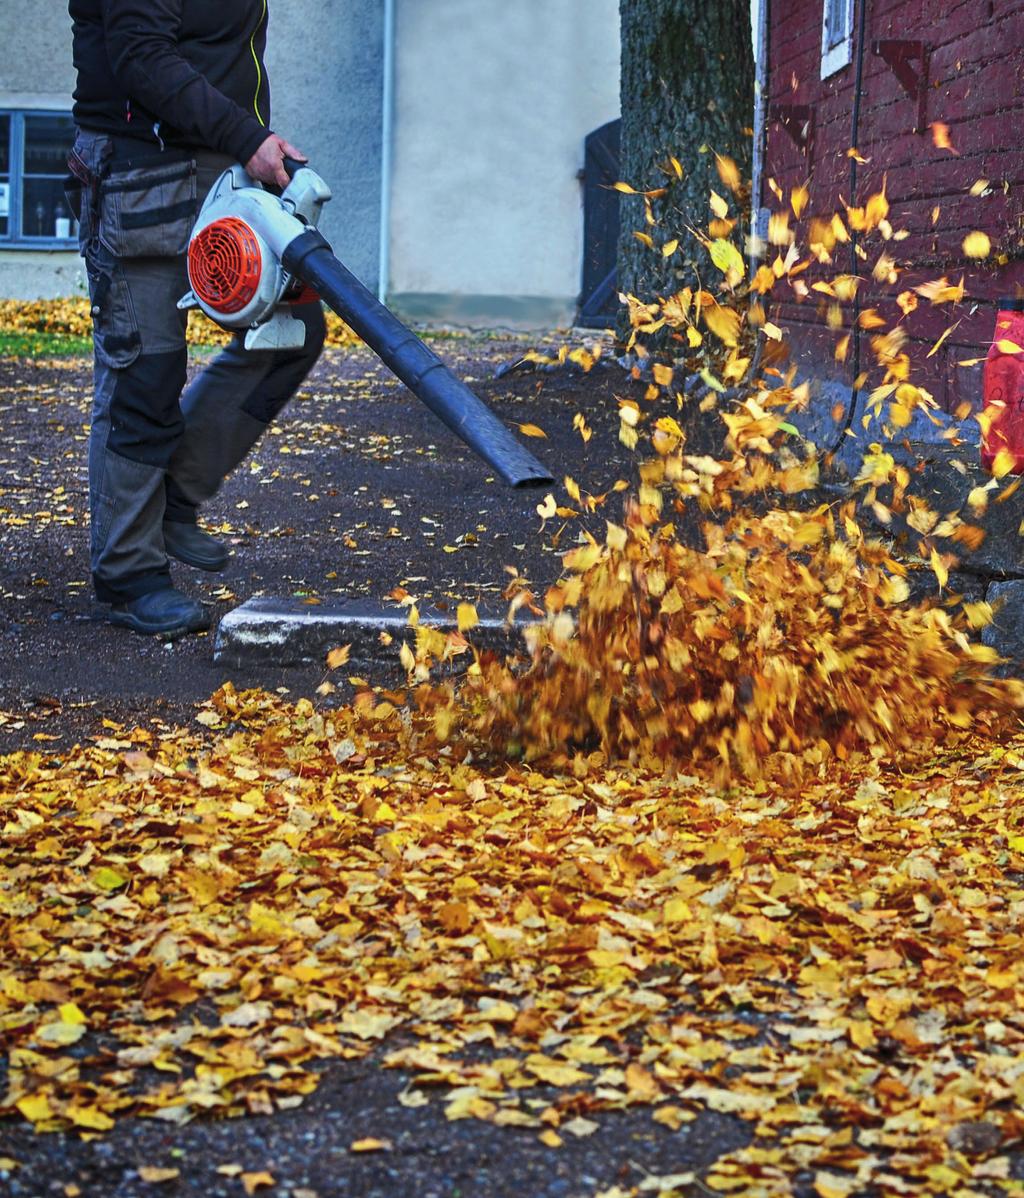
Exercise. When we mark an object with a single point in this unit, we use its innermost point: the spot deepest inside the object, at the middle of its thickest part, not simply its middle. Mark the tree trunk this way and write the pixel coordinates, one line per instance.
(687, 86)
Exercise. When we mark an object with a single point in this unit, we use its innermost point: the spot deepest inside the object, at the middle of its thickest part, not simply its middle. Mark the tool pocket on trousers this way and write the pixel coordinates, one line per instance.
(149, 211)
(77, 201)
(115, 327)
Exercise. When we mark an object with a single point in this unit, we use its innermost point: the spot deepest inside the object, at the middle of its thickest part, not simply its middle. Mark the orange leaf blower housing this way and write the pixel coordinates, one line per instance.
(225, 264)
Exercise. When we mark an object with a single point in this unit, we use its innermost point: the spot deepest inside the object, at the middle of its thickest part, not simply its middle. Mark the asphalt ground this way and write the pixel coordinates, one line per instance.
(357, 489)
(307, 1151)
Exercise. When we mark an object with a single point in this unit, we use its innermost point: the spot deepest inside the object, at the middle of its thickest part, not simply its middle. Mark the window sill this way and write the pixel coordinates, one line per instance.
(40, 243)
(834, 60)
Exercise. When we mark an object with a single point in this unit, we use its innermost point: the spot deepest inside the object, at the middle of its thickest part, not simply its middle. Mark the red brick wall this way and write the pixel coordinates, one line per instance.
(977, 89)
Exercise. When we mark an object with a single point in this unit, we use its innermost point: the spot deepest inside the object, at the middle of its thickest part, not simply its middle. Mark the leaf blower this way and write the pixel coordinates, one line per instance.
(254, 254)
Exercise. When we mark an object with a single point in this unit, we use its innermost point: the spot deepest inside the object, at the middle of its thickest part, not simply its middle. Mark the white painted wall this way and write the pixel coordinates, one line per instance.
(37, 48)
(36, 72)
(324, 63)
(40, 274)
(493, 101)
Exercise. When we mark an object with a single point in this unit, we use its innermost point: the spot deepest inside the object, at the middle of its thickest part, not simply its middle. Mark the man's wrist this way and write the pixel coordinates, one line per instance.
(249, 141)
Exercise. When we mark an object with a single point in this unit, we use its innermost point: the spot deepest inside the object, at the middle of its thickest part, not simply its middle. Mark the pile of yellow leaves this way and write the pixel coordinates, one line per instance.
(188, 923)
(68, 317)
(71, 317)
(779, 637)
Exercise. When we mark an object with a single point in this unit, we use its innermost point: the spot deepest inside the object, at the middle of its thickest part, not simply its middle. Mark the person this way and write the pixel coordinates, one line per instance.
(169, 94)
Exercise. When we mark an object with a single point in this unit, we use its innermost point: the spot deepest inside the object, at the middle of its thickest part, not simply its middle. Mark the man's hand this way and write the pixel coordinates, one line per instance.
(266, 165)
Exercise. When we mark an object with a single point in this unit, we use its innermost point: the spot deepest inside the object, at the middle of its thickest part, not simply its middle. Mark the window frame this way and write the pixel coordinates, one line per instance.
(834, 58)
(12, 240)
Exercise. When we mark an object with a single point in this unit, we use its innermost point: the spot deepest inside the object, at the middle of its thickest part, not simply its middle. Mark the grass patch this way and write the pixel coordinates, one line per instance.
(18, 344)
(67, 345)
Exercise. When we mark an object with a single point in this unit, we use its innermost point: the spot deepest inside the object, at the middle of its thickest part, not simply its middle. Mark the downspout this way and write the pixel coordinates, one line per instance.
(387, 123)
(854, 135)
(760, 148)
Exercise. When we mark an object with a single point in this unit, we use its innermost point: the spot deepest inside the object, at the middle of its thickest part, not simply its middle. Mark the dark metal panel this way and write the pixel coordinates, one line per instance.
(598, 296)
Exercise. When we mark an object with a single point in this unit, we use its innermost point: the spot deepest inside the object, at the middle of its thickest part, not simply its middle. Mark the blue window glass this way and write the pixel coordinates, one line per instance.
(33, 153)
(5, 173)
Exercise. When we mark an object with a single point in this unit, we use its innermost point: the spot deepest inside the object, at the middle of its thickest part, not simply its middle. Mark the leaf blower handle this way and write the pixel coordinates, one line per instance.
(291, 165)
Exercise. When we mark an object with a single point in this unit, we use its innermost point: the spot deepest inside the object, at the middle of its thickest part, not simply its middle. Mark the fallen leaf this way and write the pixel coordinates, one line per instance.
(251, 1182)
(155, 1174)
(338, 657)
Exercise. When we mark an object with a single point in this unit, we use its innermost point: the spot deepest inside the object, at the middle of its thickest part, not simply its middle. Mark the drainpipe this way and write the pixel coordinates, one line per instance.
(387, 136)
(763, 11)
(858, 87)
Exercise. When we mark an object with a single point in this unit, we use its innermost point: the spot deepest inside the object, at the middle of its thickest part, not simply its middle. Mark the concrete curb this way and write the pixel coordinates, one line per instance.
(288, 632)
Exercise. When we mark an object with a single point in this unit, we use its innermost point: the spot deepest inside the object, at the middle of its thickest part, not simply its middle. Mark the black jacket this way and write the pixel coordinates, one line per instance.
(173, 72)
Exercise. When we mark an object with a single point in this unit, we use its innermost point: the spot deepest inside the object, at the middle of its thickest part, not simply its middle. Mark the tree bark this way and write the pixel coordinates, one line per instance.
(687, 91)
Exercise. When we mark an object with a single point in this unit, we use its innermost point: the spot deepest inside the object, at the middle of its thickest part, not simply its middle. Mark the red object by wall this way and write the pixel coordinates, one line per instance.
(1004, 389)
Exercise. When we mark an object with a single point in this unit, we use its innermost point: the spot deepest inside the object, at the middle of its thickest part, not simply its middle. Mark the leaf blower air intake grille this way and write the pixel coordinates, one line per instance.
(224, 264)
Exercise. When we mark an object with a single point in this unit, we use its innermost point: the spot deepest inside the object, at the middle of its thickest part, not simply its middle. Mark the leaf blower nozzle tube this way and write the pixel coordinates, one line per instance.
(310, 258)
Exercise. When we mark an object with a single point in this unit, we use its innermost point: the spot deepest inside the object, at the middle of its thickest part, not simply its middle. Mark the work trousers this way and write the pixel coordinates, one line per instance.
(156, 454)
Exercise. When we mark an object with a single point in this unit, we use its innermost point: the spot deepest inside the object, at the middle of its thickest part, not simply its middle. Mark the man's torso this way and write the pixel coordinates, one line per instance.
(223, 40)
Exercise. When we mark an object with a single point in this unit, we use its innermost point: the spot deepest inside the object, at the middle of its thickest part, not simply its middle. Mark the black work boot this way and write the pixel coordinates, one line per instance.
(189, 544)
(167, 614)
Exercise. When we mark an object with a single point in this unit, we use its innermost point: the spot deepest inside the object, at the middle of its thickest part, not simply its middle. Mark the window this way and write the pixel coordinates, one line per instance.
(33, 153)
(836, 36)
